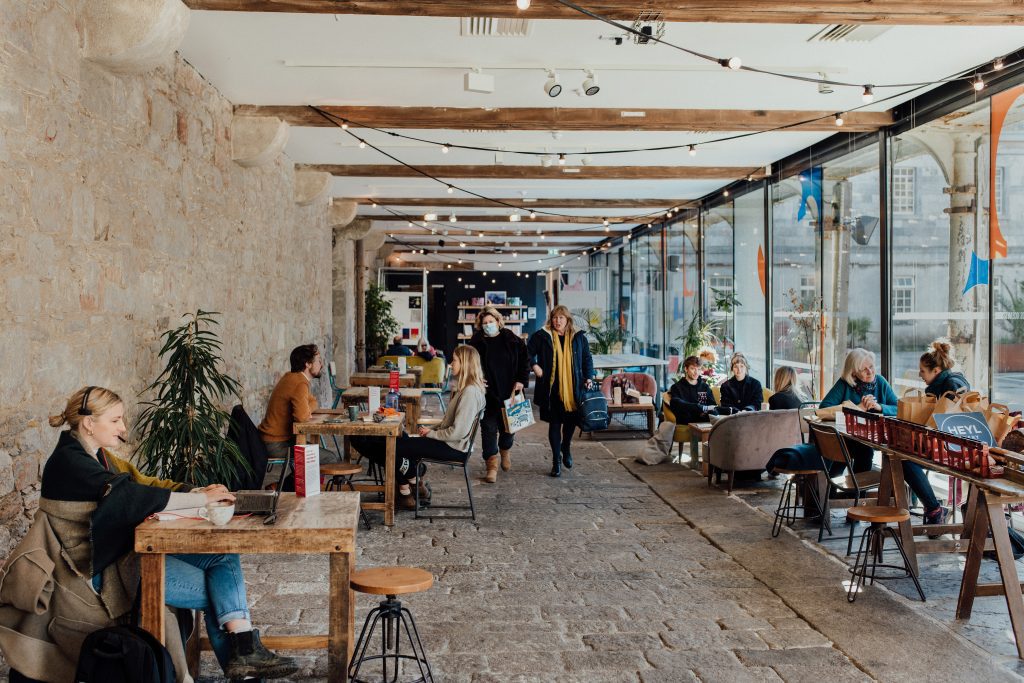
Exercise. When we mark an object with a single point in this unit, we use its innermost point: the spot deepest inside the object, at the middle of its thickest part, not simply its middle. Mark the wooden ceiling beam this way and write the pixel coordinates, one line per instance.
(526, 221)
(576, 118)
(473, 243)
(474, 203)
(456, 233)
(542, 172)
(889, 12)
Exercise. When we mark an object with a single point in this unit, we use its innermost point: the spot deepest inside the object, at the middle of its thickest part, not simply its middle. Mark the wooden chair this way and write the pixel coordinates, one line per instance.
(869, 554)
(682, 434)
(464, 463)
(397, 622)
(834, 451)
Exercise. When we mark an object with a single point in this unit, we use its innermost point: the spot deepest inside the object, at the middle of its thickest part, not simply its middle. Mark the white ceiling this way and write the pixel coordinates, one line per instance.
(297, 59)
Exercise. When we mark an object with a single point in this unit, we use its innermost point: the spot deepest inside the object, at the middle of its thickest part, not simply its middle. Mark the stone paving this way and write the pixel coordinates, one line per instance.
(621, 572)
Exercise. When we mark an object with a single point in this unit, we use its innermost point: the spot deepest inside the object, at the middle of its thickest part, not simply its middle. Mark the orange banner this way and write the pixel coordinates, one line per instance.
(1000, 107)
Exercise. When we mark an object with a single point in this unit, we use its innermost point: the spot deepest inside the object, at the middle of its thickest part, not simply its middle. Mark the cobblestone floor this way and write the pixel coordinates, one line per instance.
(603, 576)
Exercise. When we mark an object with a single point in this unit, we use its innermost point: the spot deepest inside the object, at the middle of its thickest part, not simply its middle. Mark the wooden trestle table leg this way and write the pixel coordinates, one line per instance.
(152, 598)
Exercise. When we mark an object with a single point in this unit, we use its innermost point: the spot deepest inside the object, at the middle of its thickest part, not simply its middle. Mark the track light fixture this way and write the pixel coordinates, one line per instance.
(869, 94)
(839, 119)
(552, 88)
(590, 86)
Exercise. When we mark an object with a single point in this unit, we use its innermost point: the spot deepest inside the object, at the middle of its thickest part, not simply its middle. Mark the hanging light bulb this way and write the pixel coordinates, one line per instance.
(450, 189)
(463, 245)
(344, 125)
(410, 224)
(998, 64)
(979, 84)
(453, 218)
(515, 254)
(362, 144)
(430, 217)
(839, 120)
(693, 150)
(733, 63)
(605, 221)
(561, 159)
(869, 94)
(375, 205)
(514, 217)
(725, 193)
(480, 235)
(542, 236)
(533, 214)
(460, 263)
(444, 149)
(523, 4)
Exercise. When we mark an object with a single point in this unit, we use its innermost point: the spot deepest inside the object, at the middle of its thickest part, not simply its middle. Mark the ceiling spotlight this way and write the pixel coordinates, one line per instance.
(561, 160)
(998, 64)
(410, 224)
(725, 193)
(362, 144)
(552, 88)
(523, 4)
(733, 63)
(485, 273)
(542, 236)
(463, 245)
(469, 232)
(979, 84)
(449, 266)
(607, 228)
(445, 233)
(444, 149)
(375, 205)
(481, 235)
(605, 222)
(460, 260)
(839, 119)
(450, 189)
(825, 88)
(590, 86)
(514, 217)
(538, 261)
(869, 94)
(518, 273)
(430, 216)
(693, 150)
(453, 218)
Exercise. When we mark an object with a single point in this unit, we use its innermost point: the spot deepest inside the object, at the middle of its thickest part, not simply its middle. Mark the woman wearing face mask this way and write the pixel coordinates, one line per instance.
(91, 501)
(503, 357)
(563, 365)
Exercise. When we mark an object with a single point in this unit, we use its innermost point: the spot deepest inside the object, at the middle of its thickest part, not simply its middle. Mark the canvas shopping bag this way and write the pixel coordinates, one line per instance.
(915, 406)
(1000, 421)
(517, 412)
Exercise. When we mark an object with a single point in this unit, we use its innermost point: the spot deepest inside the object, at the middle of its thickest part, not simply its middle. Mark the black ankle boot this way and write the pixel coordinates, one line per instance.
(567, 458)
(250, 658)
(556, 466)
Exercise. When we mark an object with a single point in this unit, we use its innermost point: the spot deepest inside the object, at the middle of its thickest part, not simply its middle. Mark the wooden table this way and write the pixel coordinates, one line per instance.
(415, 370)
(410, 403)
(985, 503)
(700, 432)
(648, 409)
(321, 524)
(617, 361)
(390, 429)
(380, 379)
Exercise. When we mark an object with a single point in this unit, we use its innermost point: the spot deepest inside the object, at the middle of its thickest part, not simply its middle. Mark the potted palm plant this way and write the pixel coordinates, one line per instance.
(183, 426)
(604, 331)
(380, 323)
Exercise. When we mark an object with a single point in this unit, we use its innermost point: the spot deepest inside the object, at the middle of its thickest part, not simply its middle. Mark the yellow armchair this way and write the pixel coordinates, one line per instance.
(716, 391)
(682, 433)
(433, 371)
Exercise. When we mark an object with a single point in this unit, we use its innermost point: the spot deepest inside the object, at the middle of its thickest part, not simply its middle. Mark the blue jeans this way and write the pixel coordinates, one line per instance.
(214, 584)
(917, 480)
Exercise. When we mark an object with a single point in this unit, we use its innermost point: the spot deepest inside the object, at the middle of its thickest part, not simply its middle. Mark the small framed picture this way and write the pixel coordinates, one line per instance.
(495, 298)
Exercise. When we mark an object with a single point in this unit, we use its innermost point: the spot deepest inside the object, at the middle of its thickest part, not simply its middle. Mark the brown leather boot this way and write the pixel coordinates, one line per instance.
(492, 469)
(506, 460)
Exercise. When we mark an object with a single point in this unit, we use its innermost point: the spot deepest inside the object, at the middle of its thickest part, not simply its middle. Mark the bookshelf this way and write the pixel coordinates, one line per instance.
(514, 314)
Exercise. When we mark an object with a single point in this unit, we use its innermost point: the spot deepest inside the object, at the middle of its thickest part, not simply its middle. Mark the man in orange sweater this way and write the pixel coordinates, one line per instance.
(291, 402)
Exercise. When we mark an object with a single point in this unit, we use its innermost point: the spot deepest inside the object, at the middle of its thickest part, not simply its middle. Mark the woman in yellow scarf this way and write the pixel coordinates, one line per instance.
(560, 355)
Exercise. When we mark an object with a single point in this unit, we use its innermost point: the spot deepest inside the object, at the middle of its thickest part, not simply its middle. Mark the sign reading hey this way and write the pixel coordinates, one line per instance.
(967, 425)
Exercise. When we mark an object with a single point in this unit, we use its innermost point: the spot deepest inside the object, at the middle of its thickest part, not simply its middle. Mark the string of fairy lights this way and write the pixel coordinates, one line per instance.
(975, 77)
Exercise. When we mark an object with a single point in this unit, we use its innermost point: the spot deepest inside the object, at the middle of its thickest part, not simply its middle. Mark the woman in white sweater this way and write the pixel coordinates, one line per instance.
(448, 440)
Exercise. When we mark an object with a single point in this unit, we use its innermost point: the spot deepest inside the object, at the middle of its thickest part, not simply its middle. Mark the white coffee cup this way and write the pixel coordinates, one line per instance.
(218, 512)
(765, 406)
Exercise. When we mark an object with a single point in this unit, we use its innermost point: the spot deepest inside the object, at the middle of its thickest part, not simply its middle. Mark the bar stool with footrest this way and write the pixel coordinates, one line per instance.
(872, 544)
(395, 622)
(791, 499)
(340, 474)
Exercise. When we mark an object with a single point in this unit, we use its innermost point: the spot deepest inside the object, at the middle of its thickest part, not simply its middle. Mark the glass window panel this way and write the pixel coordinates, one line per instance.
(718, 270)
(749, 284)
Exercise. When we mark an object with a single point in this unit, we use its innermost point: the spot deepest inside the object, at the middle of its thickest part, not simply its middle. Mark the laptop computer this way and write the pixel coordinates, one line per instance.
(261, 502)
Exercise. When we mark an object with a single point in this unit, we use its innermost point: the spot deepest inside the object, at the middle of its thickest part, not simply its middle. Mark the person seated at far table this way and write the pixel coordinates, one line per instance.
(397, 348)
(427, 352)
(691, 399)
(741, 392)
(858, 384)
(935, 368)
(788, 392)
(448, 440)
(292, 401)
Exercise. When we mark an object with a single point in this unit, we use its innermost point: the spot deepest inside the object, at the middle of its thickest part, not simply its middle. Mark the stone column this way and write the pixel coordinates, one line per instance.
(360, 296)
(968, 336)
(344, 299)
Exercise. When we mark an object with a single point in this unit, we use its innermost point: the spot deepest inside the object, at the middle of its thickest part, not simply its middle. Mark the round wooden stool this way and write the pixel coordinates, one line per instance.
(341, 474)
(791, 499)
(872, 544)
(394, 620)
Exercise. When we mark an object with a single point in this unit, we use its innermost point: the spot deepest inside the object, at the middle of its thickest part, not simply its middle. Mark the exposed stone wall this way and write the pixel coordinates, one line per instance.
(121, 210)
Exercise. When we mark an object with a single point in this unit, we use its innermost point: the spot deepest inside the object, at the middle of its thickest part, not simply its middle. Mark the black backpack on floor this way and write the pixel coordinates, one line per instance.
(124, 654)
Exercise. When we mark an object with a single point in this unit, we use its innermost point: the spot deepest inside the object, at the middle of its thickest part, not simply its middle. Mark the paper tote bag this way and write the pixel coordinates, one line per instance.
(1000, 421)
(593, 411)
(915, 406)
(517, 413)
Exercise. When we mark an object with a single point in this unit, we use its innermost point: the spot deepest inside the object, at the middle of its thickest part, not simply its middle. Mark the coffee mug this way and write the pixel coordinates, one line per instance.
(765, 406)
(353, 413)
(218, 512)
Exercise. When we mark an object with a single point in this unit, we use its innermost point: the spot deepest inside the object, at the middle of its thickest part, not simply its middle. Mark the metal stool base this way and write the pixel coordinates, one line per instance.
(790, 503)
(869, 560)
(394, 620)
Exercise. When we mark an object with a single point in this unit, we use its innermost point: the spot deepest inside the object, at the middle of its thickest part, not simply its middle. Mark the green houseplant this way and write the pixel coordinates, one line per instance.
(699, 333)
(183, 427)
(604, 331)
(380, 323)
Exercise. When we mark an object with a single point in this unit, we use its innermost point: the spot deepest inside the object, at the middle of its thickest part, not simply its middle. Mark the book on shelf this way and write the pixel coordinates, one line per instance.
(479, 301)
(470, 316)
(467, 330)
